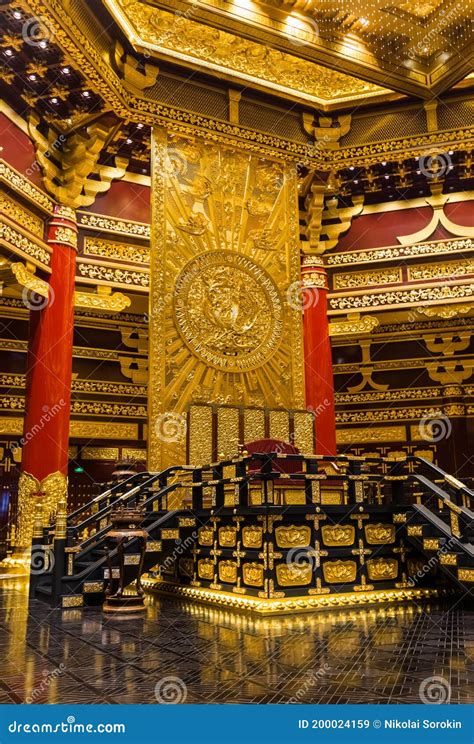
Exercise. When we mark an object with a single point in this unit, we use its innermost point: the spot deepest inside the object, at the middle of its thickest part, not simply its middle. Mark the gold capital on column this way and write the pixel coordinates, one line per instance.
(31, 492)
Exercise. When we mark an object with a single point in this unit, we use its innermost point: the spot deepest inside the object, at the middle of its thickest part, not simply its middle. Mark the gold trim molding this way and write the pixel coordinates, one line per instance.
(291, 605)
(371, 434)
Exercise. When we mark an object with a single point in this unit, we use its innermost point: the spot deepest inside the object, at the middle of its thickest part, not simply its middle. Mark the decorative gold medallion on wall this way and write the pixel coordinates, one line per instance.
(294, 574)
(205, 535)
(206, 569)
(253, 574)
(221, 331)
(382, 569)
(379, 534)
(228, 571)
(252, 537)
(340, 572)
(338, 534)
(227, 537)
(228, 310)
(293, 537)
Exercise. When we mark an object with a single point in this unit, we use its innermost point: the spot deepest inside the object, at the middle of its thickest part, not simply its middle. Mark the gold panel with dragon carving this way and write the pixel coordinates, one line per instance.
(225, 250)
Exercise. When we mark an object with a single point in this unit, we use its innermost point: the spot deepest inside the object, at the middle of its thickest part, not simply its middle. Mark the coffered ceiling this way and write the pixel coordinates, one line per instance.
(317, 50)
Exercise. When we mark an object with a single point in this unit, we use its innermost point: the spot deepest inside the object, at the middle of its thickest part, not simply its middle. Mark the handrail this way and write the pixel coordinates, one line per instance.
(453, 482)
(104, 494)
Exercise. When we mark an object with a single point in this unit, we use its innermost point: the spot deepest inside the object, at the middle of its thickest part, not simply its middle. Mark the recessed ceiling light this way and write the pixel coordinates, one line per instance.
(17, 15)
(85, 93)
(66, 70)
(54, 100)
(43, 44)
(9, 52)
(129, 141)
(32, 77)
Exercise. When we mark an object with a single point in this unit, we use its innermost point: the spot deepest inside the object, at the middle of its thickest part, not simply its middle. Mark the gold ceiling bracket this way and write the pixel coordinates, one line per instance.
(128, 69)
(366, 370)
(69, 161)
(437, 201)
(314, 205)
(451, 372)
(326, 131)
(102, 301)
(24, 276)
(333, 229)
(354, 325)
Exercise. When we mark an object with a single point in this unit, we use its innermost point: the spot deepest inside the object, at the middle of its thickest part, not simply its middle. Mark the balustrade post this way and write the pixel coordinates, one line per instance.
(59, 553)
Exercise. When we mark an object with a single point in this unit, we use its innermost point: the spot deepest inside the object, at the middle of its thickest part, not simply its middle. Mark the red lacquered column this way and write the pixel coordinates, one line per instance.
(319, 377)
(48, 382)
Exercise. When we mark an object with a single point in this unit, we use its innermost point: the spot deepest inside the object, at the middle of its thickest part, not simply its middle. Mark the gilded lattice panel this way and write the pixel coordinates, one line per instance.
(444, 270)
(113, 249)
(227, 432)
(225, 249)
(366, 278)
(304, 432)
(280, 425)
(200, 435)
(254, 424)
(23, 216)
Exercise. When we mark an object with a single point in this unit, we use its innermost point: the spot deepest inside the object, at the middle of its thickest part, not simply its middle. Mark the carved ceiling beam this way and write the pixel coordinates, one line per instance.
(69, 160)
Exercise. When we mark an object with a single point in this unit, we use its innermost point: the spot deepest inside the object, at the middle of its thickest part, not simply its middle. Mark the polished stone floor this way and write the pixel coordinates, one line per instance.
(194, 654)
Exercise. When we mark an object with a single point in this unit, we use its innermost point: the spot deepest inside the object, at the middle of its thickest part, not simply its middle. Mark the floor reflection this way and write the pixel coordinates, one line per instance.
(196, 654)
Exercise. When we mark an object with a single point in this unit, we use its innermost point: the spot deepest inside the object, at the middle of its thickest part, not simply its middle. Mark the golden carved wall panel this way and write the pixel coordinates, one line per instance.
(200, 435)
(379, 534)
(115, 250)
(291, 536)
(221, 330)
(280, 425)
(253, 574)
(294, 574)
(227, 432)
(254, 424)
(444, 270)
(339, 572)
(382, 569)
(23, 216)
(338, 534)
(303, 424)
(351, 279)
(252, 536)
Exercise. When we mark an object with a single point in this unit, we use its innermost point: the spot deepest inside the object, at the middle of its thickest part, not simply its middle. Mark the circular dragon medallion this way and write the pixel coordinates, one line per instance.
(228, 311)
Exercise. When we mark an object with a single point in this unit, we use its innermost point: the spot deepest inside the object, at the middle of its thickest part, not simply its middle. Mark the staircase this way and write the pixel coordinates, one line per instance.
(432, 511)
(440, 524)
